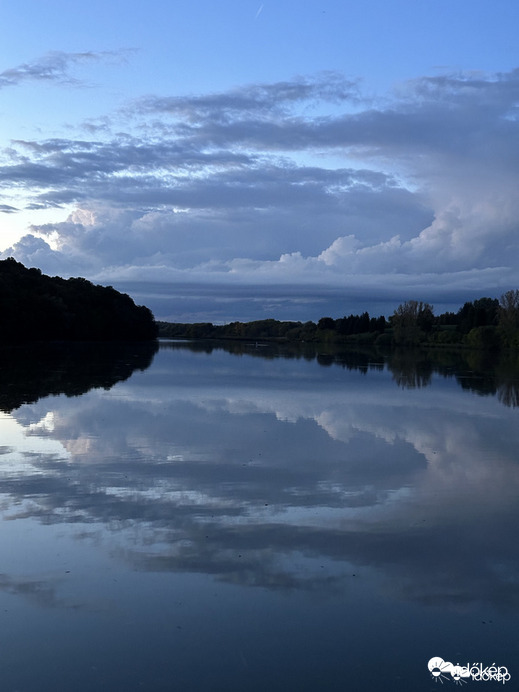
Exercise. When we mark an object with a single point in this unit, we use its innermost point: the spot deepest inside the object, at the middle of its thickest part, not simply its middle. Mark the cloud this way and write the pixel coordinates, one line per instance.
(254, 103)
(7, 209)
(302, 181)
(54, 66)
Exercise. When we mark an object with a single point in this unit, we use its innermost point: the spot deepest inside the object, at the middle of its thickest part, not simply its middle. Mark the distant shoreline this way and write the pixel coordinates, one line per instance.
(487, 323)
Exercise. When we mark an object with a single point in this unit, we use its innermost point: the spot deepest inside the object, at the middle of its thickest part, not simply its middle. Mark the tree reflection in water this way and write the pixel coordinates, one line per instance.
(32, 371)
(478, 371)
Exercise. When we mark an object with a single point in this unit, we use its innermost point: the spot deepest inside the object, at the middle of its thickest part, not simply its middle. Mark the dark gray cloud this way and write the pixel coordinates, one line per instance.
(221, 302)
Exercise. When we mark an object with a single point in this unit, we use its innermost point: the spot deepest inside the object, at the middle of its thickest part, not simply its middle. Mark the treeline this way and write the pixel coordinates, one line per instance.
(39, 307)
(484, 323)
(487, 323)
(271, 329)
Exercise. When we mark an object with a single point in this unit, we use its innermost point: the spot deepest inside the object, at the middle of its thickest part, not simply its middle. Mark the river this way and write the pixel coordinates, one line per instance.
(194, 517)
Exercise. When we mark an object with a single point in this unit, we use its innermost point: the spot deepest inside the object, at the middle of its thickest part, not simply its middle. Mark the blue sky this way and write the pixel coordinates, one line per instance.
(242, 160)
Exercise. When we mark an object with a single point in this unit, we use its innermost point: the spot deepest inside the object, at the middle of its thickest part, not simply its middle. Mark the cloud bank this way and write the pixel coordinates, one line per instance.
(277, 188)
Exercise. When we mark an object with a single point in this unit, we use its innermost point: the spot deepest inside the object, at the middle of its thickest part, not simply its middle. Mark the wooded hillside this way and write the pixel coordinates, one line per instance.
(34, 306)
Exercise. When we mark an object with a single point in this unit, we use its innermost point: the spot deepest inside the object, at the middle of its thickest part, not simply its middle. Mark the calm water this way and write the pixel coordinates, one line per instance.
(206, 520)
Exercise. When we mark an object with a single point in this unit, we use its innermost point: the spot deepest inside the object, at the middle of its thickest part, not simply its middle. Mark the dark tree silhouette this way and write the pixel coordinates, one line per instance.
(34, 306)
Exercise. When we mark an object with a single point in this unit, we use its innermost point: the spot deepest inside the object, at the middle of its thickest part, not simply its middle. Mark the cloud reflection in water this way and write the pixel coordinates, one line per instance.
(284, 475)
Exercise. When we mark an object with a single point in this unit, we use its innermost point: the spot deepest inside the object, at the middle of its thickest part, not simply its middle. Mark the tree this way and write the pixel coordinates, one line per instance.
(410, 321)
(478, 313)
(509, 317)
(39, 307)
(485, 337)
(326, 323)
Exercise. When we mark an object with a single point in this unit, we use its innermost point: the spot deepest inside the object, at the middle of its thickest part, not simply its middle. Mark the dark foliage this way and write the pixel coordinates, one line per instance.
(478, 313)
(39, 307)
(273, 330)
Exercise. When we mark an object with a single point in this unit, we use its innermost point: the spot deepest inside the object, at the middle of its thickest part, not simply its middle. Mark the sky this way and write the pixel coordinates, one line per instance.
(241, 160)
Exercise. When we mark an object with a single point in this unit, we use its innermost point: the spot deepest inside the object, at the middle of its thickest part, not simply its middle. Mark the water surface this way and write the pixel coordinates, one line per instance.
(197, 519)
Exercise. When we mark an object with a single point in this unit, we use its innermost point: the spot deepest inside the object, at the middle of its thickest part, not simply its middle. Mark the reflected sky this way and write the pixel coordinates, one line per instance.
(271, 479)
